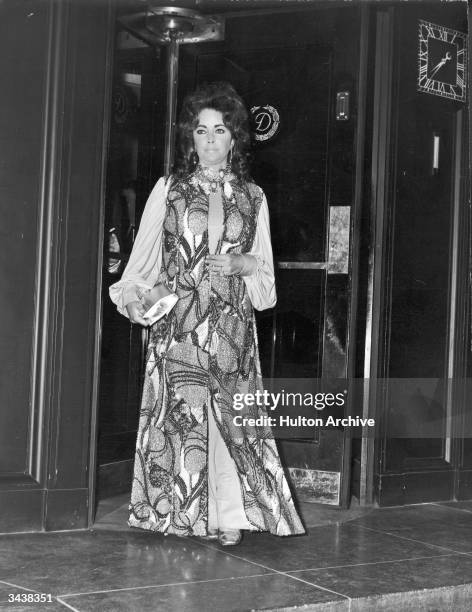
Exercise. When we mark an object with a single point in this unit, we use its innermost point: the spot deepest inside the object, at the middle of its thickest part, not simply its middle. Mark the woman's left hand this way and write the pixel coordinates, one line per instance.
(225, 265)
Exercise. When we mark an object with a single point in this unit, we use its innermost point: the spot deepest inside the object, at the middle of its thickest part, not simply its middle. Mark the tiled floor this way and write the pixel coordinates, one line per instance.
(416, 558)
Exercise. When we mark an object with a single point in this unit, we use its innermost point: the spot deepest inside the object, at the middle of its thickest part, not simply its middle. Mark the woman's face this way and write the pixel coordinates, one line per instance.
(212, 139)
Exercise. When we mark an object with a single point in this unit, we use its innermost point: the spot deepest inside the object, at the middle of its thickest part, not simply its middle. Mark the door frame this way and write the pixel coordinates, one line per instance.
(373, 138)
(355, 226)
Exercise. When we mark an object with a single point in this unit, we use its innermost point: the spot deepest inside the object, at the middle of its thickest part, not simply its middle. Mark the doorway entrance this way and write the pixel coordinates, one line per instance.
(297, 71)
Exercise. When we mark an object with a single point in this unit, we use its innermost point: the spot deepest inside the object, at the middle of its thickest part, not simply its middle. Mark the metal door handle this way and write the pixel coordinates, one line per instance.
(302, 265)
(338, 245)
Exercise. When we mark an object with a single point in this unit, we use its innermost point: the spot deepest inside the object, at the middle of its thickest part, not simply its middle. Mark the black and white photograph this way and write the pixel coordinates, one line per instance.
(236, 306)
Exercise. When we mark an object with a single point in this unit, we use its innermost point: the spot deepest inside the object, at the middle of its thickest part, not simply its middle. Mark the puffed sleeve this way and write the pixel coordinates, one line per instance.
(259, 274)
(145, 260)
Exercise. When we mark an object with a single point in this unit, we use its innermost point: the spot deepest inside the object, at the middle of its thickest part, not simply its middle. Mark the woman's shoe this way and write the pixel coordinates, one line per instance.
(212, 534)
(230, 537)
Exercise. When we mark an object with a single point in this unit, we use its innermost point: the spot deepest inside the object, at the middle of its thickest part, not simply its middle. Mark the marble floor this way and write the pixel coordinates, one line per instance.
(412, 558)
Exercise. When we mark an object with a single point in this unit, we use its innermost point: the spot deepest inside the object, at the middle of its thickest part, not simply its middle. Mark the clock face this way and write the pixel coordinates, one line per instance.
(442, 61)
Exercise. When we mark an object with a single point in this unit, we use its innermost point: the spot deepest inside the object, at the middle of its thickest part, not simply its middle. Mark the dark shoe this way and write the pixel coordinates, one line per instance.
(230, 537)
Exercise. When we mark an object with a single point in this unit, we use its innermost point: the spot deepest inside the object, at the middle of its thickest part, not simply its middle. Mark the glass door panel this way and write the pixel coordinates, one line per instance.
(286, 67)
(132, 159)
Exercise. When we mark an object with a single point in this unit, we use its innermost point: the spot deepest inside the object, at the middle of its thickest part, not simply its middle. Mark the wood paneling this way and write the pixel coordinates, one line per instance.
(422, 275)
(54, 58)
(23, 67)
(415, 487)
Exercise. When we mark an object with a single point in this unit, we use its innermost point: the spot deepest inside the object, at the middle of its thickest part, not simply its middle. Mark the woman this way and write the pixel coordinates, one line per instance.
(205, 234)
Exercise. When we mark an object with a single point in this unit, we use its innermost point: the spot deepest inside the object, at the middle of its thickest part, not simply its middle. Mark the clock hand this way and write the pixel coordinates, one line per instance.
(445, 59)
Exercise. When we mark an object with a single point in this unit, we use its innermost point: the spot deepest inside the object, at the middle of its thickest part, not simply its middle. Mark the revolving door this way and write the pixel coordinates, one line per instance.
(299, 84)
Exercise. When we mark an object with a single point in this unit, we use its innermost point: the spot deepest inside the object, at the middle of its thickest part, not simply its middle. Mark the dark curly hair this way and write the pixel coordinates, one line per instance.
(219, 96)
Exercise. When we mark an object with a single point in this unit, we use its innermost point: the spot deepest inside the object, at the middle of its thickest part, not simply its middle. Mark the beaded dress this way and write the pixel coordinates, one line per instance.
(199, 355)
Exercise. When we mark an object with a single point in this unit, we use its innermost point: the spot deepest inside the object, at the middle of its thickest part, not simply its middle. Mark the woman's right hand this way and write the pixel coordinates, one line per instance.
(135, 312)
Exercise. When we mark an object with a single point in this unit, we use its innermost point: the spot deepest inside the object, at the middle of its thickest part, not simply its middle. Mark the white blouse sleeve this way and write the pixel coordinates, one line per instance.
(260, 282)
(144, 263)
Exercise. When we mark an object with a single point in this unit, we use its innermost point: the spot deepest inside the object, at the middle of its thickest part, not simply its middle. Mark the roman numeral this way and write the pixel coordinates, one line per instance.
(443, 35)
(426, 83)
(460, 81)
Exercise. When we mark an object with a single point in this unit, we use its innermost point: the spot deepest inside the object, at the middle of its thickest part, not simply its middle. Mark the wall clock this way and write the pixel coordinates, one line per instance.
(442, 58)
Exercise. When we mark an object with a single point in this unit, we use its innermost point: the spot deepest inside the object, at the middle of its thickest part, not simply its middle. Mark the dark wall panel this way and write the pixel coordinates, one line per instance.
(23, 56)
(81, 195)
(55, 69)
(419, 275)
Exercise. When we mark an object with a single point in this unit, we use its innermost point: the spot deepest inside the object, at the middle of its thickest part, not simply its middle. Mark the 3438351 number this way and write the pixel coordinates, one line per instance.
(29, 597)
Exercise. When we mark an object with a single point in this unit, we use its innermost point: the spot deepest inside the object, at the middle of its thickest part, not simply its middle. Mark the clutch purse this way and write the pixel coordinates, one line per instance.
(158, 302)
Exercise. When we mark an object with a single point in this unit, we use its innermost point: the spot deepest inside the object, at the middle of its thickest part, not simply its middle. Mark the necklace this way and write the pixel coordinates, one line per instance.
(213, 178)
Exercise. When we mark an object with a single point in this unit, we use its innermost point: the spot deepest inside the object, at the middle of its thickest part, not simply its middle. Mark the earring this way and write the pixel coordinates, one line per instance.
(193, 158)
(230, 161)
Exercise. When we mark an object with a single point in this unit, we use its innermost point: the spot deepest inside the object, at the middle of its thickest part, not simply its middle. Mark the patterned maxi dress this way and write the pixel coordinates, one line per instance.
(198, 356)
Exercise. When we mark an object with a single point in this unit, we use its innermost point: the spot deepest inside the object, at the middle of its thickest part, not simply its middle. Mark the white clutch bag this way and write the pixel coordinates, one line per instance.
(158, 302)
